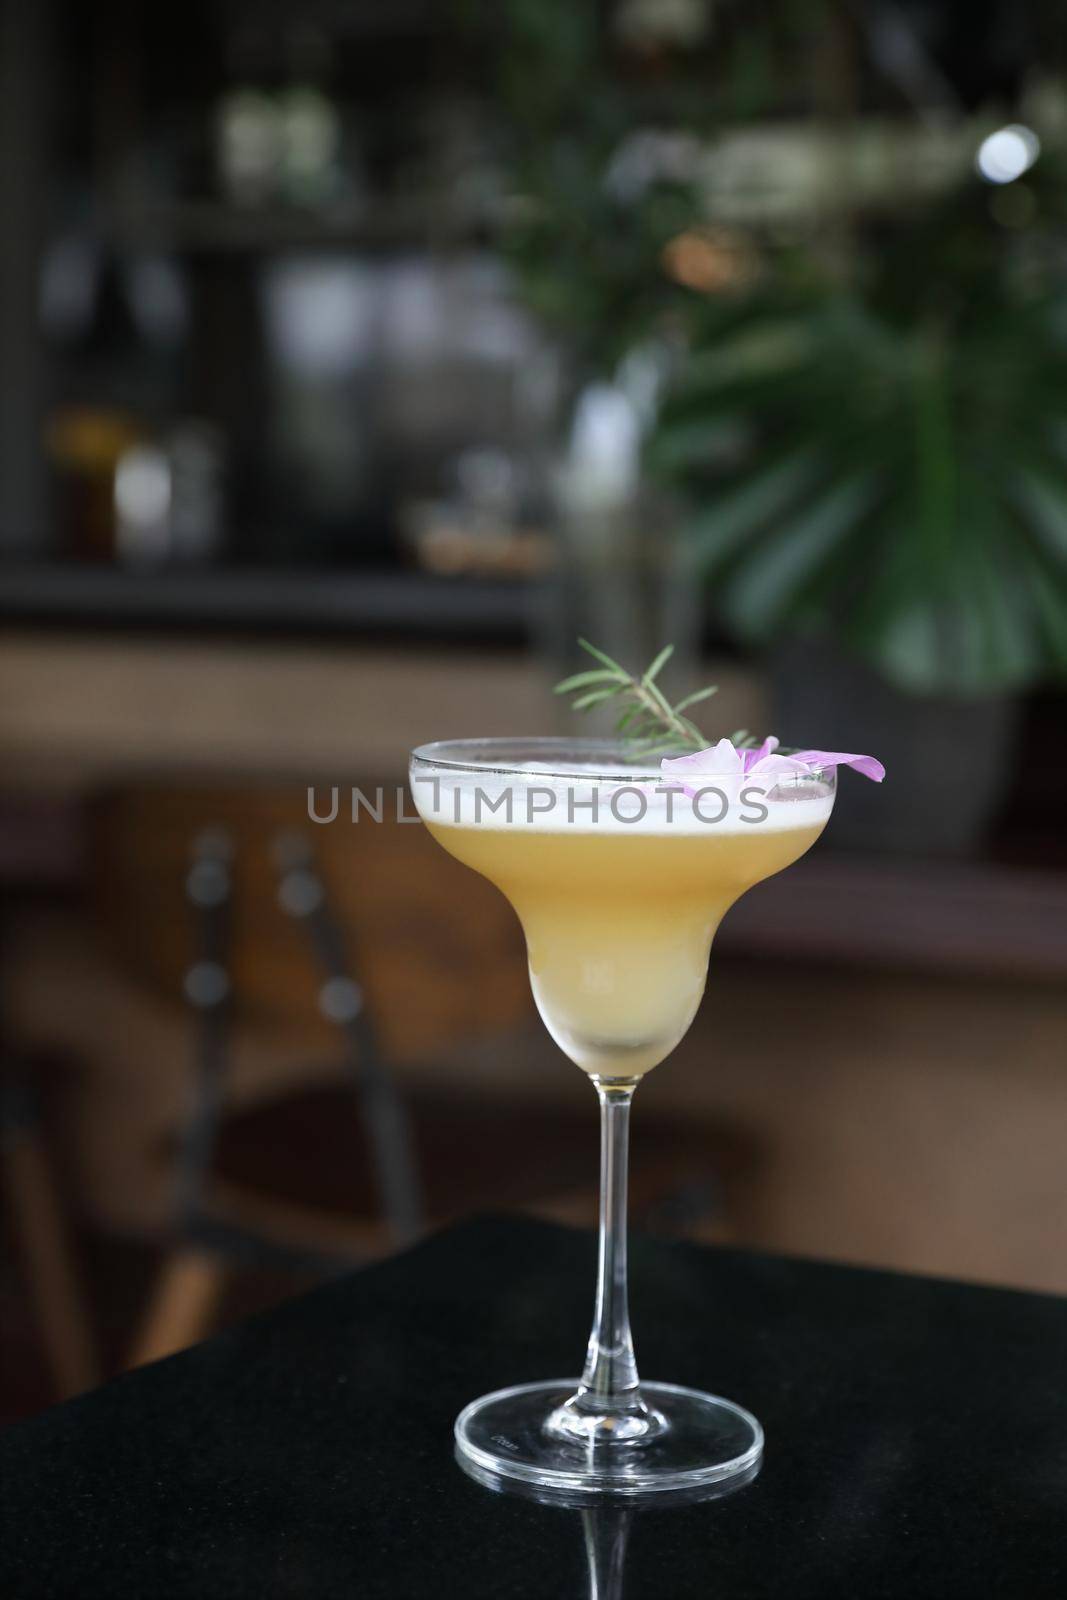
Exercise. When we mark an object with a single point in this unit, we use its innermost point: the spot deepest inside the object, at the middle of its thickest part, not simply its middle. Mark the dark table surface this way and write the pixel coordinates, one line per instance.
(916, 1440)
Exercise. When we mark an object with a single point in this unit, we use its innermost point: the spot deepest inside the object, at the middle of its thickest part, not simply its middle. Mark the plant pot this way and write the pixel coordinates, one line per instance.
(949, 760)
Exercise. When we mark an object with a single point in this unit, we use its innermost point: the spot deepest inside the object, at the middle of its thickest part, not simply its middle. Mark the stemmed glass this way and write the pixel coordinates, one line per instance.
(619, 880)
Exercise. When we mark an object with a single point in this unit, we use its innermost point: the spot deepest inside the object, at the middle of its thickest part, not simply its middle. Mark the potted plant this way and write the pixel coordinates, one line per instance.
(878, 459)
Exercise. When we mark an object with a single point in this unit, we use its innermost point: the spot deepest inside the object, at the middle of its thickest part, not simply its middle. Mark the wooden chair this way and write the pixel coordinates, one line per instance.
(439, 959)
(357, 974)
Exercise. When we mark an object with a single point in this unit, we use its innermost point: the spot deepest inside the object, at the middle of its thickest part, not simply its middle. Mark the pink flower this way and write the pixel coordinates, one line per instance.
(725, 760)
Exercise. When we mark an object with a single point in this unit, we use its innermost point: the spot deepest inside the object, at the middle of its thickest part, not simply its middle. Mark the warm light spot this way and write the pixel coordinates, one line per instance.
(709, 260)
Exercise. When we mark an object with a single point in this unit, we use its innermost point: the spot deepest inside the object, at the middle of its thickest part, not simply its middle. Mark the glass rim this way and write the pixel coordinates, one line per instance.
(612, 761)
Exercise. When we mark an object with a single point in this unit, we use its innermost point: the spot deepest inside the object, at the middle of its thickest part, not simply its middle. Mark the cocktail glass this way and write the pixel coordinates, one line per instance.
(620, 880)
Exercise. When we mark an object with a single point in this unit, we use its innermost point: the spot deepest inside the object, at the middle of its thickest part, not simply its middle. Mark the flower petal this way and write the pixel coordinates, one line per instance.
(868, 765)
(774, 763)
(719, 760)
(751, 757)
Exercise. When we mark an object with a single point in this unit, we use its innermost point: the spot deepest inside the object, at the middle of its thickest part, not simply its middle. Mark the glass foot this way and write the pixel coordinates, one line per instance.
(703, 1440)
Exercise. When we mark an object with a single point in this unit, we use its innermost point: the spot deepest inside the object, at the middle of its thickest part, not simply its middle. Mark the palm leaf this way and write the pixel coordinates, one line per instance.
(775, 572)
(1044, 503)
(733, 518)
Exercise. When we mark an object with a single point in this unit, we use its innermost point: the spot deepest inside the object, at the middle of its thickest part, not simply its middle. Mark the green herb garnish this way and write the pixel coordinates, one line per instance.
(648, 722)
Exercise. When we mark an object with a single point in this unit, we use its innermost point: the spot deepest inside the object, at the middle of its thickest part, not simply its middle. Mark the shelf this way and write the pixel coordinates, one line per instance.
(411, 604)
(210, 227)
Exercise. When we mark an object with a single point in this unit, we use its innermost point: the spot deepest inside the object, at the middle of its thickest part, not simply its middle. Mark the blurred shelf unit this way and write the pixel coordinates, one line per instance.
(407, 604)
(214, 227)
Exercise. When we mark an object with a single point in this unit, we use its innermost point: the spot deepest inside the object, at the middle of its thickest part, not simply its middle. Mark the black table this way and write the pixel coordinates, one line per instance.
(915, 1440)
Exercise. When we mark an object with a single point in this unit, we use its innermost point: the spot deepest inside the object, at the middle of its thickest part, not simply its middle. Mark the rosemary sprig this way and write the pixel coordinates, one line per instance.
(648, 721)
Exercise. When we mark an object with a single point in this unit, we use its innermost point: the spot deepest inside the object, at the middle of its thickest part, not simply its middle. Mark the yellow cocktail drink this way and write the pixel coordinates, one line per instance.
(619, 914)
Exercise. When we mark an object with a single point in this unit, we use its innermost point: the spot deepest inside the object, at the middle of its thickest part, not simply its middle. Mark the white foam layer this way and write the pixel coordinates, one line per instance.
(546, 803)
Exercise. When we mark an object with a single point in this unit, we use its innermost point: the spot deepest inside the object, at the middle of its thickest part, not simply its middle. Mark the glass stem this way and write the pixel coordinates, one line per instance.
(609, 1382)
(607, 1409)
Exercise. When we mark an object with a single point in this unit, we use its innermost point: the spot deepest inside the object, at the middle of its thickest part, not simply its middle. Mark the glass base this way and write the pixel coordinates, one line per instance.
(704, 1440)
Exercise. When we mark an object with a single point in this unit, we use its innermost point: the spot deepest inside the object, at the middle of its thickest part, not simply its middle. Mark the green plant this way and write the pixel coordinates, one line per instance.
(597, 184)
(875, 435)
(884, 460)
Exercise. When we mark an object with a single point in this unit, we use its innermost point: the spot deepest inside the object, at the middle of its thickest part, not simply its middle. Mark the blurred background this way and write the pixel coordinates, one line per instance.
(356, 357)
